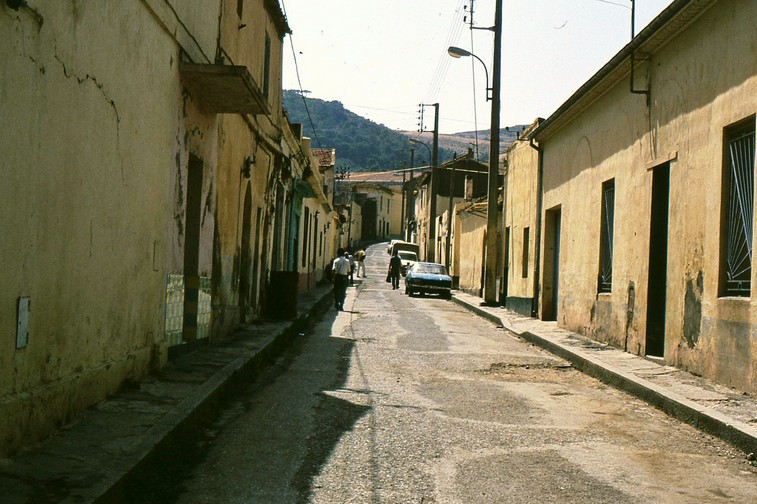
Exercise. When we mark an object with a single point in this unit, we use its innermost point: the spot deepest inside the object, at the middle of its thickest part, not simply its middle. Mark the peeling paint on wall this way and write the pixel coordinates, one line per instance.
(178, 215)
(692, 318)
(208, 211)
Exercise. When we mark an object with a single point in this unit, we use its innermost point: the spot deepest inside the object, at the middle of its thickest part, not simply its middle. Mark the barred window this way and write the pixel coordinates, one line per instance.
(606, 236)
(739, 213)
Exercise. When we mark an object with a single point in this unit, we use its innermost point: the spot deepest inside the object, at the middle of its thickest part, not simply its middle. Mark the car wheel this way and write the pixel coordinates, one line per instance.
(447, 295)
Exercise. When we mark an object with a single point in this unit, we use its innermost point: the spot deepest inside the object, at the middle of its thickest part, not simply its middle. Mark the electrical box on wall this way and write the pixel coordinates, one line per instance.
(22, 331)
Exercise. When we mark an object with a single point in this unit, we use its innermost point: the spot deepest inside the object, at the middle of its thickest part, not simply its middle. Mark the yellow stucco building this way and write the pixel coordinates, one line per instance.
(149, 192)
(648, 189)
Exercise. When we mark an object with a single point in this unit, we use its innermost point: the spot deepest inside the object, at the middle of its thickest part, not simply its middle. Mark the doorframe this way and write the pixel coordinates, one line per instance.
(659, 237)
(551, 265)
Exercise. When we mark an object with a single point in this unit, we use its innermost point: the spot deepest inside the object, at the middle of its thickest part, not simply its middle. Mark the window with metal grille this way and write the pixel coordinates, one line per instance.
(739, 213)
(606, 237)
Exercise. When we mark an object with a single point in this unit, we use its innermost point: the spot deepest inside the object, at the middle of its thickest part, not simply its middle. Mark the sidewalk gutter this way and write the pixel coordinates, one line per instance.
(92, 459)
(198, 405)
(737, 433)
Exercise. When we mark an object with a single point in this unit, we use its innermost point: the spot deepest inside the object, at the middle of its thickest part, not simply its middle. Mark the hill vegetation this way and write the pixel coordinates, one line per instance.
(364, 145)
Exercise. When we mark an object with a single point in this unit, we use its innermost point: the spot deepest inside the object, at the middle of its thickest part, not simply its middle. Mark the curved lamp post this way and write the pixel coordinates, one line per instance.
(458, 52)
(413, 141)
(490, 280)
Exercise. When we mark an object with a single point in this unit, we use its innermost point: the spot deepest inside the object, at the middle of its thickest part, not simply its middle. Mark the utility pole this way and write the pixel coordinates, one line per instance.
(448, 259)
(402, 208)
(433, 189)
(490, 283)
(410, 201)
(341, 173)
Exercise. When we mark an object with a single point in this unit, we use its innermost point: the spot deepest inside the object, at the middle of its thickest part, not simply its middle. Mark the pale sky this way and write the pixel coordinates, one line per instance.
(381, 58)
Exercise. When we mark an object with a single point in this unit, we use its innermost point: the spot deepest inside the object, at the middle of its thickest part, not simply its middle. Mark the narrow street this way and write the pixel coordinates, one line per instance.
(401, 399)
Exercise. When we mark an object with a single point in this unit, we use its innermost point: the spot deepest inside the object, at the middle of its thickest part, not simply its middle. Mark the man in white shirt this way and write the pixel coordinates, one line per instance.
(341, 268)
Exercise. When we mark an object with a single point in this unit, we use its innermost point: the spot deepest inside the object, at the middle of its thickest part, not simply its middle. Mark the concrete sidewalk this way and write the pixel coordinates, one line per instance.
(712, 408)
(89, 460)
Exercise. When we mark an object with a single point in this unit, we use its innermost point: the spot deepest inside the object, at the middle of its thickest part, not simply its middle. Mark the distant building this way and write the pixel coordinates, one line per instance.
(436, 185)
(520, 236)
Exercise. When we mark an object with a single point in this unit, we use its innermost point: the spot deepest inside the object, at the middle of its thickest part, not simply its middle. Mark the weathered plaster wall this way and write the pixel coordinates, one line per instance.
(472, 235)
(356, 233)
(702, 81)
(235, 144)
(521, 210)
(258, 138)
(395, 213)
(85, 204)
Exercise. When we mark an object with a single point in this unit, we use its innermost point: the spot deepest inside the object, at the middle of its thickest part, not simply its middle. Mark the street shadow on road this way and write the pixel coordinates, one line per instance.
(332, 416)
(310, 417)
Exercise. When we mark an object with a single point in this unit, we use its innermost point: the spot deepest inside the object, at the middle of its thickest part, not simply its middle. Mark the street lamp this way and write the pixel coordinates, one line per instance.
(458, 52)
(490, 280)
(413, 141)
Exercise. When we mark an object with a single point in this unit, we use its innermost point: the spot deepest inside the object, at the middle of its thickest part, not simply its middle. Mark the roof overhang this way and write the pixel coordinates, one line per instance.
(304, 189)
(671, 21)
(224, 89)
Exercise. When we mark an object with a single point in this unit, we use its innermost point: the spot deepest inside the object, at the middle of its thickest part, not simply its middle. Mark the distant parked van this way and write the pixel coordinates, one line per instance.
(391, 244)
(402, 245)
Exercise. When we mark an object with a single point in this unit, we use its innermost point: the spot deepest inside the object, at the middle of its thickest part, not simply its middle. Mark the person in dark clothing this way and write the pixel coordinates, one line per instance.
(395, 266)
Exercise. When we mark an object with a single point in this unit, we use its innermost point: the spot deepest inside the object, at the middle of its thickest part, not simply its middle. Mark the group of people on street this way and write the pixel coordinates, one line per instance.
(345, 266)
(343, 270)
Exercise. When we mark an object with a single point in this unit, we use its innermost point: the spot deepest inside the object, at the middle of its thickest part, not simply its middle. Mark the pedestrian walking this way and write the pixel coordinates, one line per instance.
(341, 273)
(352, 267)
(395, 266)
(360, 257)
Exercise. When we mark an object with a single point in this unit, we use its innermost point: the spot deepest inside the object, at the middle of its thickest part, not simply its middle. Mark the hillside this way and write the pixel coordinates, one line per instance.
(364, 145)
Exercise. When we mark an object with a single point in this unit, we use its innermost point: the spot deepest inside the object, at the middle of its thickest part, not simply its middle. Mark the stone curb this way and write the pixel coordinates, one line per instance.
(738, 434)
(199, 403)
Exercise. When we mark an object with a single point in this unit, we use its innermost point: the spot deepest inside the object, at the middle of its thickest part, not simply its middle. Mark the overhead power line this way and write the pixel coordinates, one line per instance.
(299, 84)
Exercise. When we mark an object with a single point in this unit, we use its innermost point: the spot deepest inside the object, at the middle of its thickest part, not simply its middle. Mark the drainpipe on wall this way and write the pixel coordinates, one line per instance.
(633, 51)
(290, 225)
(539, 203)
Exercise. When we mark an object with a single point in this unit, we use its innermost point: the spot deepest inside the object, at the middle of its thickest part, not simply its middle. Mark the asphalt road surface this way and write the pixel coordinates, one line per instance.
(415, 400)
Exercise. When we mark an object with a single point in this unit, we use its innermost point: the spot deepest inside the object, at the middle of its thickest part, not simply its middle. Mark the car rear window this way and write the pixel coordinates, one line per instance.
(433, 269)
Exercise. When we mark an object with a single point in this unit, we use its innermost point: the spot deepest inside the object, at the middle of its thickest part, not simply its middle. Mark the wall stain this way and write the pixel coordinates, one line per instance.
(208, 202)
(629, 311)
(179, 210)
(216, 279)
(692, 316)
